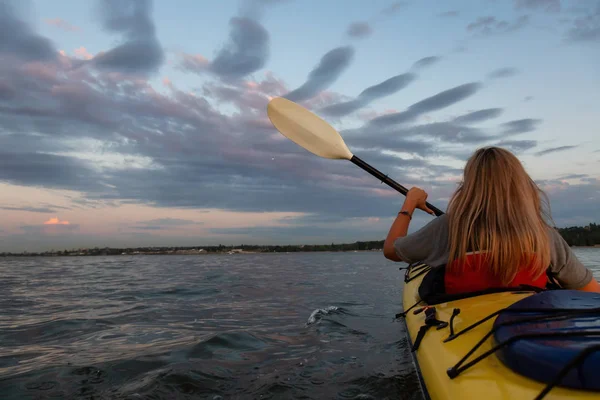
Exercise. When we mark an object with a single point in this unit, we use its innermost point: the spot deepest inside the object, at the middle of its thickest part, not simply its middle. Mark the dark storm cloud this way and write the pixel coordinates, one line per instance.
(554, 150)
(436, 102)
(489, 25)
(503, 73)
(359, 30)
(140, 51)
(18, 39)
(385, 88)
(479, 116)
(326, 72)
(543, 5)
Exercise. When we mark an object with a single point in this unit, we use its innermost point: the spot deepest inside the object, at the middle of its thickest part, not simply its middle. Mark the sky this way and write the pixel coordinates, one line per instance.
(130, 123)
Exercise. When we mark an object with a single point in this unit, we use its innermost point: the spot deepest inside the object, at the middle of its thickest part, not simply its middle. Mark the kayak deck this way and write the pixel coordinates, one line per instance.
(489, 378)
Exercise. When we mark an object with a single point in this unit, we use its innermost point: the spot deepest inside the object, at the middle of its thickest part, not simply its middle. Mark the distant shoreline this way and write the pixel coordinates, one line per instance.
(206, 254)
(576, 237)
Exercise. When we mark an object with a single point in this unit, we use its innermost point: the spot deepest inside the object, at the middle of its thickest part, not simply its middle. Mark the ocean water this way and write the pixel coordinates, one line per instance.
(253, 326)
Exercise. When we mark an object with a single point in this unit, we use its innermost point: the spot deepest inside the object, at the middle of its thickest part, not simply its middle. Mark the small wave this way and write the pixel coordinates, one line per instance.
(53, 330)
(320, 312)
(229, 346)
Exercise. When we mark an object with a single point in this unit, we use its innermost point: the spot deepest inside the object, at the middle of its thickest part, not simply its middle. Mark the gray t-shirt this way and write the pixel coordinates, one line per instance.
(430, 245)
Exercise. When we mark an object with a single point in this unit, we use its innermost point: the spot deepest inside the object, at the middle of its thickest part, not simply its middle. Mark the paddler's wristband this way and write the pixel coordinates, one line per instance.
(405, 213)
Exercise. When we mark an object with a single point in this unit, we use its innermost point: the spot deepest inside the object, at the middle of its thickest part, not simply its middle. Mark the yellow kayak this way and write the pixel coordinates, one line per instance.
(438, 360)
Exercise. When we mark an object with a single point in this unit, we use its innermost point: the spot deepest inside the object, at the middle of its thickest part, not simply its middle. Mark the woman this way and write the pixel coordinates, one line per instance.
(494, 233)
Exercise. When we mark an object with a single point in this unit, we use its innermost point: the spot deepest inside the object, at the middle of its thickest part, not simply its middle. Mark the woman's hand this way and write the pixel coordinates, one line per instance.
(416, 198)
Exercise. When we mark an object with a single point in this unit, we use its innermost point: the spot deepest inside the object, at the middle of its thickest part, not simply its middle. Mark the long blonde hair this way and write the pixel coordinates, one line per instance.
(499, 210)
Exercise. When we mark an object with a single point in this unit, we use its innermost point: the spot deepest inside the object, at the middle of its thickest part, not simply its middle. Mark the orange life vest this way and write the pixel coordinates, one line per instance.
(472, 276)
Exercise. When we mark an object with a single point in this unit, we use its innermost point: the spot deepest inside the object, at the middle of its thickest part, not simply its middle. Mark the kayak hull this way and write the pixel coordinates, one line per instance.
(489, 379)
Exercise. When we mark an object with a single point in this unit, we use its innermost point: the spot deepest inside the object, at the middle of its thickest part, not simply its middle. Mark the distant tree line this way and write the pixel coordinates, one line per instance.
(574, 236)
(581, 236)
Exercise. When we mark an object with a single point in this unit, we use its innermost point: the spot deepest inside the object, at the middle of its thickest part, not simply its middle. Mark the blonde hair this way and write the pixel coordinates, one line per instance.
(499, 210)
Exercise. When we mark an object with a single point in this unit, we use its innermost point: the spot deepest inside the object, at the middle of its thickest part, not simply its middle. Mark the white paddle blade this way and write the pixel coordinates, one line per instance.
(307, 129)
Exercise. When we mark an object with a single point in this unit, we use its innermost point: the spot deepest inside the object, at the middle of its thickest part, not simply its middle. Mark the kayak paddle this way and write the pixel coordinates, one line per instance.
(308, 130)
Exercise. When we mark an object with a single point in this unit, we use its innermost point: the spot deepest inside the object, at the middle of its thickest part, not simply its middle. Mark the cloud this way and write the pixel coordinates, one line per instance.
(574, 176)
(393, 8)
(436, 102)
(372, 93)
(246, 51)
(44, 210)
(479, 116)
(569, 210)
(140, 51)
(49, 229)
(517, 146)
(325, 73)
(528, 98)
(426, 62)
(586, 28)
(6, 91)
(18, 39)
(254, 9)
(554, 150)
(46, 170)
(62, 24)
(487, 26)
(82, 52)
(195, 63)
(56, 221)
(520, 126)
(451, 13)
(503, 73)
(166, 223)
(544, 5)
(359, 30)
(116, 139)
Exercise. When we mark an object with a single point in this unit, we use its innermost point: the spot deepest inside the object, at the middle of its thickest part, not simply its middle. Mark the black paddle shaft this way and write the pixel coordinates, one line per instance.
(390, 182)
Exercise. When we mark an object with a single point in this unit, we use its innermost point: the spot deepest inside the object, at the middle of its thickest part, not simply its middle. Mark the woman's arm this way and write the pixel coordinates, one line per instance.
(415, 198)
(569, 271)
(593, 286)
(398, 229)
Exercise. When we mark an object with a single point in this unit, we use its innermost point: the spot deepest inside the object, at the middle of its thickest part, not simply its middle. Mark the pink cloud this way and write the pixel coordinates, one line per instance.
(194, 62)
(82, 52)
(56, 221)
